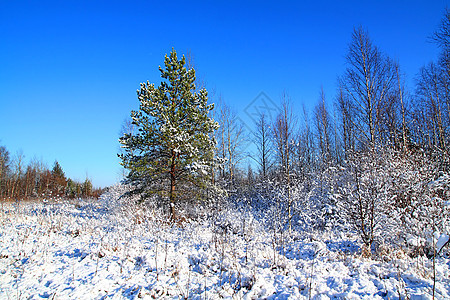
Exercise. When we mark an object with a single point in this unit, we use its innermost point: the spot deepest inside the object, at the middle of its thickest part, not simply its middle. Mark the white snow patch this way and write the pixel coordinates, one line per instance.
(105, 249)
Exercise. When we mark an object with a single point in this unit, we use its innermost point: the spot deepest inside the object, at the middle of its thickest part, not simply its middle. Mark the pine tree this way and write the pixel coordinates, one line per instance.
(58, 181)
(172, 147)
(86, 188)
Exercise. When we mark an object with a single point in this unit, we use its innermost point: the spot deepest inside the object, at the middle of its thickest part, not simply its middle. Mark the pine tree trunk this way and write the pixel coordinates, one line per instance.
(172, 199)
(172, 187)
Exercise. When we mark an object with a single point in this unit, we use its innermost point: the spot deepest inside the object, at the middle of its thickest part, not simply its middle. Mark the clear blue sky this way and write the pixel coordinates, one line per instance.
(69, 70)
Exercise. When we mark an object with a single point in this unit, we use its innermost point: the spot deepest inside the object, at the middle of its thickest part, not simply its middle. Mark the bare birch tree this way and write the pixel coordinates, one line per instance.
(284, 140)
(262, 141)
(231, 140)
(367, 81)
(323, 128)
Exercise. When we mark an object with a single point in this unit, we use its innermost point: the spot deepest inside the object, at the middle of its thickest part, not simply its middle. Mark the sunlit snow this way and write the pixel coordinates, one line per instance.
(112, 248)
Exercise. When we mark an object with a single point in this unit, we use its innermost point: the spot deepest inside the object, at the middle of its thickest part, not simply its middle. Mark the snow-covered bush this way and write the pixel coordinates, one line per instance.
(394, 199)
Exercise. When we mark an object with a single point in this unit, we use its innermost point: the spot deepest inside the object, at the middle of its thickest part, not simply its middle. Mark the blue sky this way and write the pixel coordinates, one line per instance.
(69, 70)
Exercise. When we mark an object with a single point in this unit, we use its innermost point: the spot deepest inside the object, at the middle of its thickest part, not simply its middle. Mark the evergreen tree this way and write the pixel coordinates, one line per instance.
(172, 147)
(58, 180)
(71, 188)
(86, 188)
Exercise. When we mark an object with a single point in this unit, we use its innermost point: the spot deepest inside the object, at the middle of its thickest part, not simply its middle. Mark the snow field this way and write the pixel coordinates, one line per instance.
(116, 250)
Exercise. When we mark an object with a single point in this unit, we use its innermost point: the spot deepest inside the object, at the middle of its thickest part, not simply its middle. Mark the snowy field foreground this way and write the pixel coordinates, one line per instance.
(110, 249)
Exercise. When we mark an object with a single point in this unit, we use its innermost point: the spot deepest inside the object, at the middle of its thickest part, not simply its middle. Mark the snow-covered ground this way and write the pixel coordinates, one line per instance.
(109, 249)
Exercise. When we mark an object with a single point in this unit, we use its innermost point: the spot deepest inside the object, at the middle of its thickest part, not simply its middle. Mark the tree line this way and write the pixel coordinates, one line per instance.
(375, 160)
(19, 181)
(377, 156)
(372, 109)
